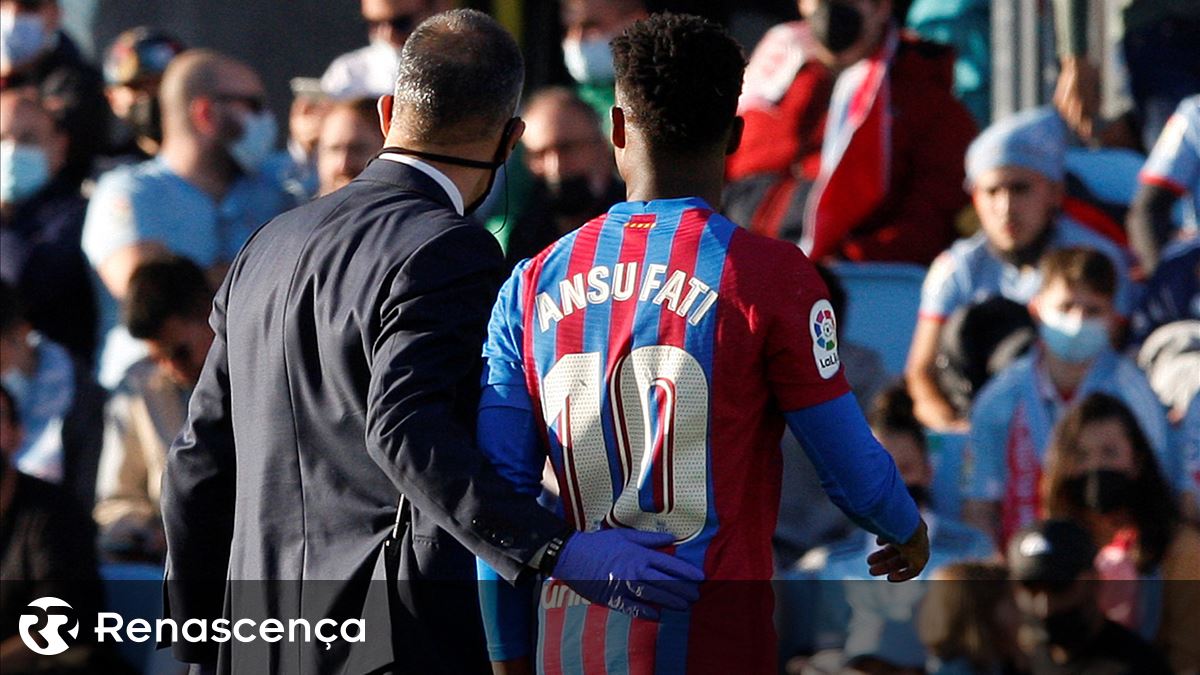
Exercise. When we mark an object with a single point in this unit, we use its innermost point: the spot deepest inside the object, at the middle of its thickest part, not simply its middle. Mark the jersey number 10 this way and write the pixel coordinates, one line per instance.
(659, 407)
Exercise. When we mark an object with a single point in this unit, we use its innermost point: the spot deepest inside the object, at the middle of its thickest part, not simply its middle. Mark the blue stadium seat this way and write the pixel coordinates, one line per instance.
(134, 590)
(881, 307)
(946, 454)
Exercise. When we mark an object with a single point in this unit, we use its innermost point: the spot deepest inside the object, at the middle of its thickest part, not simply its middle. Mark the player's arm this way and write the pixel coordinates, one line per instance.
(860, 477)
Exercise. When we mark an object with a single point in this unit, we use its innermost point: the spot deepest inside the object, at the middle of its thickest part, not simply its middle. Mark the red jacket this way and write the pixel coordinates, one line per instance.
(930, 134)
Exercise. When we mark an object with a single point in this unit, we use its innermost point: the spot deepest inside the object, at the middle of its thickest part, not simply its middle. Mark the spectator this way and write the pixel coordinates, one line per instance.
(349, 138)
(295, 167)
(133, 71)
(45, 550)
(35, 52)
(965, 25)
(1188, 442)
(589, 26)
(371, 71)
(967, 621)
(1172, 294)
(201, 197)
(1171, 172)
(41, 222)
(1014, 414)
(873, 621)
(572, 167)
(1063, 629)
(167, 306)
(877, 180)
(1015, 172)
(1101, 473)
(61, 405)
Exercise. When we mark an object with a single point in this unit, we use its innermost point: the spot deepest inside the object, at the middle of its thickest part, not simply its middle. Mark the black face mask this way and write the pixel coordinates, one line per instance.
(837, 25)
(919, 494)
(570, 196)
(146, 119)
(1069, 629)
(492, 166)
(1103, 491)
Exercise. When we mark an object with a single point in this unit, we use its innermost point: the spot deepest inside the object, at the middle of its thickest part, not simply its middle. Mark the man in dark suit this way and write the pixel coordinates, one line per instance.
(342, 380)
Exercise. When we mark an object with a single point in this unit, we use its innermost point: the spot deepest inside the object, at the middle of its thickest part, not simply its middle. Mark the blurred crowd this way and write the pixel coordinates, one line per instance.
(1057, 346)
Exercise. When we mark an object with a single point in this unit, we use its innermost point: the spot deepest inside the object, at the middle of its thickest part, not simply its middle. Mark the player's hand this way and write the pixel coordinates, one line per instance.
(620, 569)
(901, 562)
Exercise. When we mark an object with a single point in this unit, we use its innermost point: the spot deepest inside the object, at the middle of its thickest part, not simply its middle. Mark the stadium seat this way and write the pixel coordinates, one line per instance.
(881, 307)
(946, 452)
(134, 590)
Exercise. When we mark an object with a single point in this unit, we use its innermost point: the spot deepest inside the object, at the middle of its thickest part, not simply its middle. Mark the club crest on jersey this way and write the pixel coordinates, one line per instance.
(823, 325)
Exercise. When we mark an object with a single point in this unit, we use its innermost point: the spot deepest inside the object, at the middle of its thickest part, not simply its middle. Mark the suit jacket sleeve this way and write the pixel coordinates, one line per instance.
(198, 496)
(432, 326)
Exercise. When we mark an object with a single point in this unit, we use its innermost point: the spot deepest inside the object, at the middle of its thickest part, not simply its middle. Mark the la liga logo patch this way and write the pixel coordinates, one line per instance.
(823, 325)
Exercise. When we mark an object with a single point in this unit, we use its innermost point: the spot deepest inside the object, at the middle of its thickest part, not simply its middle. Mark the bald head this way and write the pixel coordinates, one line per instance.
(203, 73)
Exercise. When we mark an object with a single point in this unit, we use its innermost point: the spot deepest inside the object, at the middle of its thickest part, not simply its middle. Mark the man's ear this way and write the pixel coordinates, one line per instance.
(516, 131)
(202, 115)
(618, 127)
(384, 106)
(735, 135)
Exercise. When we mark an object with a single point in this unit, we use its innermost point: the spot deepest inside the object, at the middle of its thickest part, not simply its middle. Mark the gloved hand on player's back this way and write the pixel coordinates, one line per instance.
(620, 569)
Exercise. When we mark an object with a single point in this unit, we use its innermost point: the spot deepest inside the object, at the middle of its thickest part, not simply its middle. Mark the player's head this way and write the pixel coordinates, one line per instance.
(678, 81)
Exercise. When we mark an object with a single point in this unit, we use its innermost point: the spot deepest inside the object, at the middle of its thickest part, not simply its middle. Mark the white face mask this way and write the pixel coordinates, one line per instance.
(257, 141)
(589, 61)
(1070, 337)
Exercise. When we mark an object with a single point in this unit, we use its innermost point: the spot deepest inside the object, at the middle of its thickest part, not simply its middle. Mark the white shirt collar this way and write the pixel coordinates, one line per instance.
(441, 178)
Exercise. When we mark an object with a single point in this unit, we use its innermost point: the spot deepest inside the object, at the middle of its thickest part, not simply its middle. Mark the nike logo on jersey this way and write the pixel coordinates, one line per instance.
(678, 291)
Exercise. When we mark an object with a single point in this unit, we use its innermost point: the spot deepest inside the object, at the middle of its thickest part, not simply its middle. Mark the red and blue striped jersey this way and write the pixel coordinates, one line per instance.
(660, 345)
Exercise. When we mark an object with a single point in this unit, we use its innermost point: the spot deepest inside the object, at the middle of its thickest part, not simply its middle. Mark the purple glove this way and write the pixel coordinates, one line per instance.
(620, 569)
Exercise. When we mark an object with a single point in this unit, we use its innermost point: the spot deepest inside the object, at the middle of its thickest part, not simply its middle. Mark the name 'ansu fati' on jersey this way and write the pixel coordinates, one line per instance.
(676, 290)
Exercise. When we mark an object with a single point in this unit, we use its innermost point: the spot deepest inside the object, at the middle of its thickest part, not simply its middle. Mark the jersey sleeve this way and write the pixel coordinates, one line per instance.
(803, 364)
(940, 293)
(111, 221)
(503, 351)
(1174, 163)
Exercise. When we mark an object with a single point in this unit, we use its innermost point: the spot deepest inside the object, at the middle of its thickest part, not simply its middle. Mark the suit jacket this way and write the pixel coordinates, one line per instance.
(344, 373)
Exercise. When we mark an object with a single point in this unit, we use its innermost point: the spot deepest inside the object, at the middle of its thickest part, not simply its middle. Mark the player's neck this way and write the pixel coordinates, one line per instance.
(678, 183)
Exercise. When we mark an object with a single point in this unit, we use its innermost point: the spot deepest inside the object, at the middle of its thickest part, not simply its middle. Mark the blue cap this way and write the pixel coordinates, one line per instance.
(1034, 139)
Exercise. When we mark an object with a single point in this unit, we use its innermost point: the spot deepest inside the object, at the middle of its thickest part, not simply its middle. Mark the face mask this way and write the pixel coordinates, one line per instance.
(570, 196)
(836, 25)
(1070, 338)
(492, 166)
(22, 38)
(256, 142)
(24, 170)
(1103, 491)
(1068, 629)
(146, 120)
(589, 61)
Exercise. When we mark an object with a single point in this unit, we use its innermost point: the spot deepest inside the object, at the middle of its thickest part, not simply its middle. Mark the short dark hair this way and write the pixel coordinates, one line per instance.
(1080, 266)
(162, 288)
(679, 77)
(892, 411)
(459, 79)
